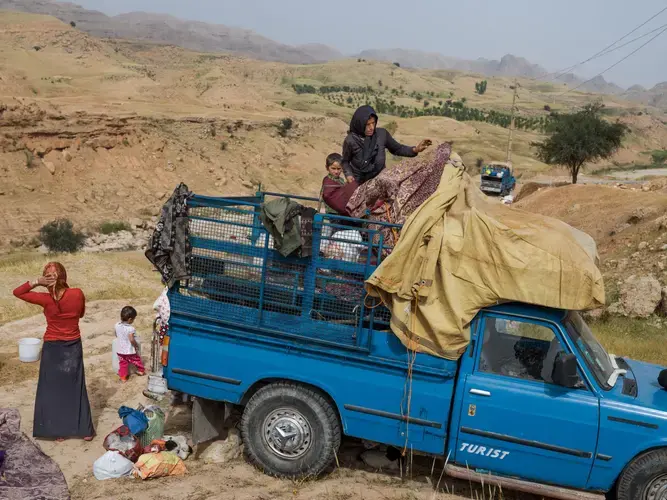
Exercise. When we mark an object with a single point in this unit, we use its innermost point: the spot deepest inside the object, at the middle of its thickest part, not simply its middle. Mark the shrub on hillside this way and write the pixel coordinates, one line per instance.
(391, 127)
(659, 156)
(111, 227)
(60, 236)
(285, 126)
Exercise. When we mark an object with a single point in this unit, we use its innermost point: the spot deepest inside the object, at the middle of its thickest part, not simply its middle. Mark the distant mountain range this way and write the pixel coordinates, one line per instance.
(508, 65)
(657, 96)
(205, 37)
(160, 28)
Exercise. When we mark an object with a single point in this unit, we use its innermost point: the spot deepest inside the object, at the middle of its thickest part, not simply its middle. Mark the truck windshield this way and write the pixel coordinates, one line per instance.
(596, 357)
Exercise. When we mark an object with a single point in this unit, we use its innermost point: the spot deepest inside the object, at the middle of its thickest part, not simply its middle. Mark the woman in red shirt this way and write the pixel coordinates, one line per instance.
(62, 409)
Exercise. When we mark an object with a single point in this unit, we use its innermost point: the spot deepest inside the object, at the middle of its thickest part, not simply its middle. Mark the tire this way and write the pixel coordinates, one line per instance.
(285, 408)
(645, 478)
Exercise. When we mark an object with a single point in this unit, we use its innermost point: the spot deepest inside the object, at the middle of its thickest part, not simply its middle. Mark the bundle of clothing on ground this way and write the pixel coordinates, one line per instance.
(140, 448)
(25, 471)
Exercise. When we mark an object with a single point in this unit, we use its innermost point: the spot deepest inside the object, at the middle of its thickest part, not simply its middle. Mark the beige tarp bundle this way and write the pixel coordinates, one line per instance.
(460, 252)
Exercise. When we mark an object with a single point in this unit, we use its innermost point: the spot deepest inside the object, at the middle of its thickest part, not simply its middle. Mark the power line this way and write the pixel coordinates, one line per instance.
(609, 51)
(615, 64)
(607, 47)
(634, 40)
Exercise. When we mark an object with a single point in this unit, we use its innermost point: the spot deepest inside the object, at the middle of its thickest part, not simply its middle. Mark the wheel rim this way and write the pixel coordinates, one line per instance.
(287, 433)
(657, 489)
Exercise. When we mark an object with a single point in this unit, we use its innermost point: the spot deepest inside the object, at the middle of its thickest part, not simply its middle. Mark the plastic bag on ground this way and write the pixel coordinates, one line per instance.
(122, 441)
(152, 465)
(112, 465)
(135, 420)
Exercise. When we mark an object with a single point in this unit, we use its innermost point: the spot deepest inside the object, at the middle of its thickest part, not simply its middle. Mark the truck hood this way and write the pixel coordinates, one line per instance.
(649, 392)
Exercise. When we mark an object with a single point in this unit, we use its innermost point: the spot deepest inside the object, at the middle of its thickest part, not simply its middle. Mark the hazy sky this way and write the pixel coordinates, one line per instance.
(553, 34)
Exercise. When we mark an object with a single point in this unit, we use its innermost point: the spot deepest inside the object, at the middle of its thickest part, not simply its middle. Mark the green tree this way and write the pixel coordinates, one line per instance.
(578, 138)
(480, 87)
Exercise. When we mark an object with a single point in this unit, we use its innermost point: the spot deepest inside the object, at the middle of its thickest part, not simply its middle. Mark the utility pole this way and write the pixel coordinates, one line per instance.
(509, 141)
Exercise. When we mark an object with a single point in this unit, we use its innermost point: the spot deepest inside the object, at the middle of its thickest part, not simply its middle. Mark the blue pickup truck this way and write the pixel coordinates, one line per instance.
(497, 178)
(535, 404)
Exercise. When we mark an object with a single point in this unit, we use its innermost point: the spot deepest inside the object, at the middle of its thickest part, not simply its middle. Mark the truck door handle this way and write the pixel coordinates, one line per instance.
(479, 392)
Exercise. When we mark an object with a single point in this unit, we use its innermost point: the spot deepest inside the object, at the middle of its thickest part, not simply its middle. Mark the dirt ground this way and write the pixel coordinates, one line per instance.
(237, 480)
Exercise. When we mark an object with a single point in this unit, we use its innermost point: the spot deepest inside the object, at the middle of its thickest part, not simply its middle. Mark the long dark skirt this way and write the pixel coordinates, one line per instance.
(62, 409)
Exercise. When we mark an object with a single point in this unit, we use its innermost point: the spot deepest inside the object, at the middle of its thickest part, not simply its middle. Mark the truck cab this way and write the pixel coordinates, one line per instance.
(497, 178)
(534, 404)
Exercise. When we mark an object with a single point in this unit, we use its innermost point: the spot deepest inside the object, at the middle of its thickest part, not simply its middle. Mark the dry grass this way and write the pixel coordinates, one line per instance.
(126, 275)
(643, 340)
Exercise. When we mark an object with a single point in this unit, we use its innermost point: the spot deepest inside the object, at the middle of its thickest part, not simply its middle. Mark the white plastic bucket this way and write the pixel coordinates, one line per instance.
(29, 349)
(157, 384)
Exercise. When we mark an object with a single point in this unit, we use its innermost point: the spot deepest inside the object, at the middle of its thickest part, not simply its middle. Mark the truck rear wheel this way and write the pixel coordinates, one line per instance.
(290, 431)
(645, 478)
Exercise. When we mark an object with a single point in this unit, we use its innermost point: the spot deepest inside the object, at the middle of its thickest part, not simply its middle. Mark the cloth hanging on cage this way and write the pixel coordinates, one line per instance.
(169, 248)
(291, 226)
(279, 217)
(162, 308)
(460, 252)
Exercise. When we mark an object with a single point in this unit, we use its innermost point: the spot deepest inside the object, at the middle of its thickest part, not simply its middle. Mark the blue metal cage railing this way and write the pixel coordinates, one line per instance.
(240, 279)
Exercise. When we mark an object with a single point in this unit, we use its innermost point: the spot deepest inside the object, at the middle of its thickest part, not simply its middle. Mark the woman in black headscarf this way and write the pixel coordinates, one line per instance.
(364, 147)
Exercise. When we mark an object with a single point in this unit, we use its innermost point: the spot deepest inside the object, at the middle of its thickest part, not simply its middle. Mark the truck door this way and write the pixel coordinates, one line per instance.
(514, 420)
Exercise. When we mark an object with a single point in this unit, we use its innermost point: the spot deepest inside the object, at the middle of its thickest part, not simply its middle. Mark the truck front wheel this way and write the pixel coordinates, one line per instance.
(290, 431)
(645, 478)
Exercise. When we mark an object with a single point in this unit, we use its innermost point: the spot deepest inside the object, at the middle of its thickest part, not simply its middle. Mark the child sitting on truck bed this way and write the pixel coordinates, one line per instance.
(336, 192)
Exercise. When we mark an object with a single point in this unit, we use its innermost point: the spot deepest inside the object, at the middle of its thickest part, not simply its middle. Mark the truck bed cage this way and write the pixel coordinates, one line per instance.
(239, 279)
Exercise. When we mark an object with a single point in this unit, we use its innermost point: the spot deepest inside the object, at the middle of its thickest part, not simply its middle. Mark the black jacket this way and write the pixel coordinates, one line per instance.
(364, 157)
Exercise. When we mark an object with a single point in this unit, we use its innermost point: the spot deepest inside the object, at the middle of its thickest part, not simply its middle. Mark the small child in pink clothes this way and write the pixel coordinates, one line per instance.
(127, 345)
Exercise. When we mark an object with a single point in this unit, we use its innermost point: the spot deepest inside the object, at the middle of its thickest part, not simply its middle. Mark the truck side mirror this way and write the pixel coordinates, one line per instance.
(565, 371)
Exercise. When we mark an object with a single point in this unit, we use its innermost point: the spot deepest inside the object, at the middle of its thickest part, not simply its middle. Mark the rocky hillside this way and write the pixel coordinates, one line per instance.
(99, 130)
(630, 227)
